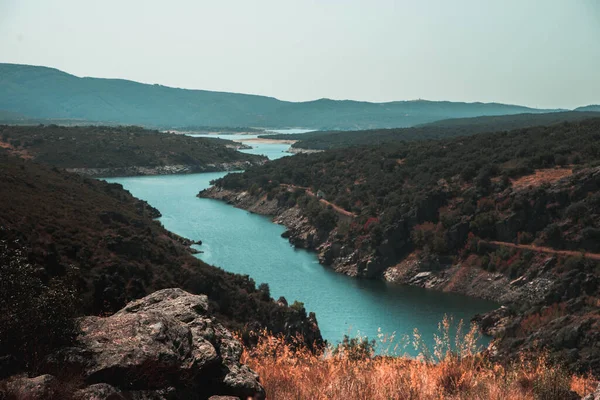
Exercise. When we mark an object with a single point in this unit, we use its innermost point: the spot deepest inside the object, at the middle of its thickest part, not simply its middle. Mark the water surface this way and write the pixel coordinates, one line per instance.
(246, 243)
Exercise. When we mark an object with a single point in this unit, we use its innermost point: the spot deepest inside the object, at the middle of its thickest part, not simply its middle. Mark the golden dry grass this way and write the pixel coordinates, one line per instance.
(452, 370)
(540, 177)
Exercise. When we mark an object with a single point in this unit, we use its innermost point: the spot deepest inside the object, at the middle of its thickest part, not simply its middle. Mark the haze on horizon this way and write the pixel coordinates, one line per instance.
(538, 53)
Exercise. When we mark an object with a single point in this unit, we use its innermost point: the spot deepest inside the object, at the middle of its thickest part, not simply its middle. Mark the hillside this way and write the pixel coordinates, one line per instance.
(41, 92)
(509, 216)
(120, 151)
(105, 242)
(436, 130)
(593, 107)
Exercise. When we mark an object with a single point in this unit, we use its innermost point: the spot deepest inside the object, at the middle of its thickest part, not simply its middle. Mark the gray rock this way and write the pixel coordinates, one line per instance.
(593, 396)
(165, 339)
(223, 398)
(99, 391)
(38, 388)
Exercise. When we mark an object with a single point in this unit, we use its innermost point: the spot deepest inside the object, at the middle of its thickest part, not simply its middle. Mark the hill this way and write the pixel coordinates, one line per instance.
(593, 107)
(509, 216)
(120, 151)
(41, 92)
(96, 236)
(436, 130)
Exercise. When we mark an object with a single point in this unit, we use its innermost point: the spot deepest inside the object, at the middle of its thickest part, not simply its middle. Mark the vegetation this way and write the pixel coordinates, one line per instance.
(349, 372)
(373, 180)
(116, 147)
(72, 245)
(41, 92)
(37, 307)
(437, 130)
(522, 204)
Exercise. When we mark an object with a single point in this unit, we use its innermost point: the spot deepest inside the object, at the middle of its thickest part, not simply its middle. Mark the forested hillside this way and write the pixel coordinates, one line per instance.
(71, 245)
(512, 216)
(122, 150)
(41, 92)
(436, 130)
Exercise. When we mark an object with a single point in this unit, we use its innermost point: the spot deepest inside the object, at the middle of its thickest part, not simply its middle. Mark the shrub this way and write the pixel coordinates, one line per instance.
(576, 210)
(524, 238)
(354, 349)
(37, 311)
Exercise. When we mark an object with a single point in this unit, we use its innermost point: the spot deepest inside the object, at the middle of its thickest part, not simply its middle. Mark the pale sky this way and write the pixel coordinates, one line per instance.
(539, 53)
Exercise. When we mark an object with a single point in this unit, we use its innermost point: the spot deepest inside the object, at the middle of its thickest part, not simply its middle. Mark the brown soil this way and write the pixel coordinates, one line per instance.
(541, 249)
(309, 192)
(540, 177)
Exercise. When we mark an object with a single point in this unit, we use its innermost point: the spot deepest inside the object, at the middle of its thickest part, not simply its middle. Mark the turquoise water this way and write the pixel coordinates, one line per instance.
(241, 242)
(272, 151)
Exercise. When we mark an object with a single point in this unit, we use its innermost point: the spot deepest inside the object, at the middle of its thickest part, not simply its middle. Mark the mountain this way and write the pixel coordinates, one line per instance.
(324, 140)
(591, 107)
(446, 128)
(509, 216)
(41, 92)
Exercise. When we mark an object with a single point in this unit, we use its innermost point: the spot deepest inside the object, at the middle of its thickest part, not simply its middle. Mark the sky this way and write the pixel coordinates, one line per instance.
(538, 53)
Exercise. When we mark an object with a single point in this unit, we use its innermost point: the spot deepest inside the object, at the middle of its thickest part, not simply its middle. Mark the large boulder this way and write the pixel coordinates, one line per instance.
(164, 340)
(37, 388)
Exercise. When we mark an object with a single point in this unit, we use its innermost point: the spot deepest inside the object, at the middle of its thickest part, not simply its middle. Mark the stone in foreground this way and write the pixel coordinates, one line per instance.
(165, 344)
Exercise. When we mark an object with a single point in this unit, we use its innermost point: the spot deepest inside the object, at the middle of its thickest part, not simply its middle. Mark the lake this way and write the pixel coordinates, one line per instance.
(246, 243)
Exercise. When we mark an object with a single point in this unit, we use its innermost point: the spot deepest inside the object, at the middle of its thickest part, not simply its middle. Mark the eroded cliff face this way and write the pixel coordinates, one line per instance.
(366, 262)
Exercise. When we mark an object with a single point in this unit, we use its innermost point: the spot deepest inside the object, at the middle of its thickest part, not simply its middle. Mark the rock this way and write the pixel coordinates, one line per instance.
(593, 396)
(41, 387)
(494, 322)
(163, 340)
(98, 391)
(420, 277)
(223, 398)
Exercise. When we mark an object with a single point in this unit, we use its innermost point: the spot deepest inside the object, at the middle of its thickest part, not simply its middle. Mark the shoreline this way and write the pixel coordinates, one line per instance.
(138, 170)
(265, 141)
(486, 286)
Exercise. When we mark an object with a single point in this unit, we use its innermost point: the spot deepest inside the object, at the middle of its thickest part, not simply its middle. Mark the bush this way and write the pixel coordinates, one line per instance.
(577, 210)
(37, 311)
(355, 349)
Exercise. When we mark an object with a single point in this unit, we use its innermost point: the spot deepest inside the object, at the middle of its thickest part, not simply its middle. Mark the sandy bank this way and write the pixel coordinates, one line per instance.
(266, 141)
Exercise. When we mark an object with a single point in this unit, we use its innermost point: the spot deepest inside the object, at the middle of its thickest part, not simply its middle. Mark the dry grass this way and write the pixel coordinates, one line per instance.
(451, 370)
(540, 177)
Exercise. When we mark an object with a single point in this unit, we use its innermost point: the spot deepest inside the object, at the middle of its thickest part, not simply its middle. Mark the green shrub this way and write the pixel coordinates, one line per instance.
(37, 311)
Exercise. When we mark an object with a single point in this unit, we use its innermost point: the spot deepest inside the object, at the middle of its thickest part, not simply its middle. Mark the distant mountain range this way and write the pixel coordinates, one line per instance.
(591, 107)
(33, 93)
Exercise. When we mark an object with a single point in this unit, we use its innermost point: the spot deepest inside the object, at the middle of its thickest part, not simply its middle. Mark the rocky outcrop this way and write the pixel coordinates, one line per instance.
(138, 170)
(164, 345)
(593, 396)
(545, 306)
(37, 388)
(301, 233)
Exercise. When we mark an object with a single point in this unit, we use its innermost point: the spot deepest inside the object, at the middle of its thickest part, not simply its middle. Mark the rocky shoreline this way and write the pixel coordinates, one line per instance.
(572, 339)
(137, 170)
(342, 259)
